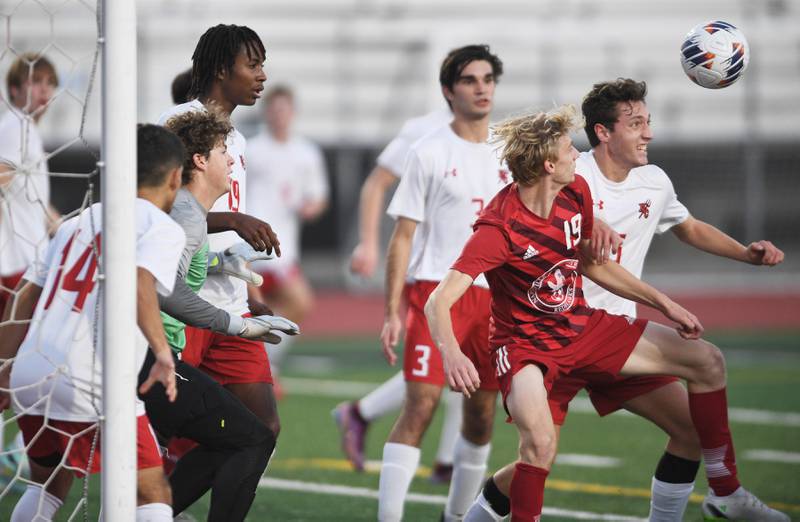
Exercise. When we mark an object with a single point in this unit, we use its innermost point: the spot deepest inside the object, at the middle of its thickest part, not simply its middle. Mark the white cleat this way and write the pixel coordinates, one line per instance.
(741, 505)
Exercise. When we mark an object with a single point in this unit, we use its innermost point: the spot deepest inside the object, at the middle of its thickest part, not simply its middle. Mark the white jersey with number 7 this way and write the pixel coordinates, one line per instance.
(643, 205)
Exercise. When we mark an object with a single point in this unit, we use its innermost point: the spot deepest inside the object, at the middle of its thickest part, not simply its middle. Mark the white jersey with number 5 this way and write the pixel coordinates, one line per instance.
(223, 291)
(643, 205)
(58, 370)
(446, 183)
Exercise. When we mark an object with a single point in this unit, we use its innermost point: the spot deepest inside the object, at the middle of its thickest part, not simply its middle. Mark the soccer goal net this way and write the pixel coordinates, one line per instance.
(62, 62)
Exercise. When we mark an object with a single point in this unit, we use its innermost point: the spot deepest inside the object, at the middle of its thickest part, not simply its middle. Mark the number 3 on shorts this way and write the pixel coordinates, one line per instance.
(424, 355)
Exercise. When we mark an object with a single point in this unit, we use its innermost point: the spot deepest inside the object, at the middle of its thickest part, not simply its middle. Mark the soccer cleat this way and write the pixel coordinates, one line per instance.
(441, 473)
(741, 505)
(353, 429)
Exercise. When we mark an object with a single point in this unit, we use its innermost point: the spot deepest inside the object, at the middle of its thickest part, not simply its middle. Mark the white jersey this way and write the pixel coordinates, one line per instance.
(393, 157)
(643, 205)
(25, 201)
(446, 184)
(221, 290)
(284, 176)
(62, 353)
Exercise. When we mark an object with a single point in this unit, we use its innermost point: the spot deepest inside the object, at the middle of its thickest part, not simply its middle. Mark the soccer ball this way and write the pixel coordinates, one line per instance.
(714, 54)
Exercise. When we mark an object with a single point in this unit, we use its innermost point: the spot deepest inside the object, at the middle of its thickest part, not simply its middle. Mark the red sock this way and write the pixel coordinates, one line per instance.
(527, 492)
(710, 416)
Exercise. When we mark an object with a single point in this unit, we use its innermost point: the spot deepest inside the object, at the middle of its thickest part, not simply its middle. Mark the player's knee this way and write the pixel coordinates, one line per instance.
(538, 448)
(477, 426)
(712, 367)
(153, 488)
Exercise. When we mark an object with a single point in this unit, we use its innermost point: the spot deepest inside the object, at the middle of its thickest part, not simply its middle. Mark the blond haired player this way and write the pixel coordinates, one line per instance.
(56, 377)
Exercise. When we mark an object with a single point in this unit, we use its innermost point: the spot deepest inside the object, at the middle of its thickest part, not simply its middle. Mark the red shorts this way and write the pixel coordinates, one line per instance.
(227, 359)
(607, 395)
(54, 438)
(596, 355)
(274, 279)
(7, 284)
(422, 361)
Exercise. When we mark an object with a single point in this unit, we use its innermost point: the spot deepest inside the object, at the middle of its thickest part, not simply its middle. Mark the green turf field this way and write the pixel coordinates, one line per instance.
(764, 373)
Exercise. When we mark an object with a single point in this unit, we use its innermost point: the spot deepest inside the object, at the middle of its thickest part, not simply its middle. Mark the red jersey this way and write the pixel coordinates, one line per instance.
(532, 267)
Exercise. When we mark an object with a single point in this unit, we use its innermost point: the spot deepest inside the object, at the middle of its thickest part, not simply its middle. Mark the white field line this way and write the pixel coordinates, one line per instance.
(765, 455)
(587, 461)
(353, 390)
(419, 498)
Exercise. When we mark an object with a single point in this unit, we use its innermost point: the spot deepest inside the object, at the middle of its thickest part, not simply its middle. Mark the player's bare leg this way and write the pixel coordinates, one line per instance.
(673, 482)
(153, 495)
(401, 451)
(661, 350)
(471, 453)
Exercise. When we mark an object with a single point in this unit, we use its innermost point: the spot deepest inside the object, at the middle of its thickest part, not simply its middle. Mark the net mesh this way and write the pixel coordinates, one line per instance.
(47, 174)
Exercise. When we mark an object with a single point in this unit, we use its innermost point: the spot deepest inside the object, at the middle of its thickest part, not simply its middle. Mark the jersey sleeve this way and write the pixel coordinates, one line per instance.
(38, 270)
(674, 211)
(393, 157)
(159, 250)
(315, 187)
(486, 249)
(409, 198)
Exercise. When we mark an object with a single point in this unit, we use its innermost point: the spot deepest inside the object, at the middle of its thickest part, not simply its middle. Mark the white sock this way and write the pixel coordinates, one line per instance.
(155, 512)
(277, 352)
(668, 501)
(453, 413)
(469, 473)
(385, 398)
(29, 510)
(400, 462)
(481, 511)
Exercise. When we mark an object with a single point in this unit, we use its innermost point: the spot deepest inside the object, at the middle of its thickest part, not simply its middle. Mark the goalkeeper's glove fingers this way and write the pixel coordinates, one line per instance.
(247, 252)
(234, 261)
(263, 327)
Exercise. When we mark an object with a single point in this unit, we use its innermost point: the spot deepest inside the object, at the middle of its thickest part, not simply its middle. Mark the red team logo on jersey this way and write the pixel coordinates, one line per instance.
(554, 291)
(452, 172)
(503, 175)
(644, 209)
(599, 204)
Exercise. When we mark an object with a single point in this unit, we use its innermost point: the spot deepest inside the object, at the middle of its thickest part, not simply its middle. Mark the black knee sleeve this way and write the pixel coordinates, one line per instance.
(500, 503)
(676, 470)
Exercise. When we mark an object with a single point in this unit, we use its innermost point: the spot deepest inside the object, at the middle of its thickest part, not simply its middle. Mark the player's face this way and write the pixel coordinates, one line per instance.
(627, 143)
(473, 92)
(242, 85)
(279, 114)
(34, 95)
(564, 166)
(220, 166)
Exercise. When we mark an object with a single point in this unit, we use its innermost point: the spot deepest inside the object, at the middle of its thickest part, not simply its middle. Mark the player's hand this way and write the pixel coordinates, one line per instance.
(605, 241)
(257, 233)
(234, 261)
(259, 308)
(390, 335)
(163, 371)
(460, 372)
(262, 328)
(689, 326)
(764, 253)
(364, 260)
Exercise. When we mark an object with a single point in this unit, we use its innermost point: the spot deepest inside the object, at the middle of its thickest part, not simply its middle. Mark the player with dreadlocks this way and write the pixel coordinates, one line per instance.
(227, 71)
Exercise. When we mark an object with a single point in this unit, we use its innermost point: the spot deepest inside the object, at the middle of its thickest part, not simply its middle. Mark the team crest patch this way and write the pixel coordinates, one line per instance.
(644, 209)
(503, 175)
(554, 291)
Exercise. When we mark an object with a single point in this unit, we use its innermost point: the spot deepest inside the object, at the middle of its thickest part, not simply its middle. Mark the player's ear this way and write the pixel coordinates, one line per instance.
(200, 162)
(447, 93)
(549, 167)
(602, 132)
(175, 178)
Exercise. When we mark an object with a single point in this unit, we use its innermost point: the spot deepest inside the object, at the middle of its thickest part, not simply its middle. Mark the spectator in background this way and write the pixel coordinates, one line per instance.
(181, 85)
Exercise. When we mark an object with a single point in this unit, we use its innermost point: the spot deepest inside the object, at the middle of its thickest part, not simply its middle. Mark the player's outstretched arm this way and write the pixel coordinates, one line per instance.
(364, 259)
(709, 238)
(149, 321)
(257, 233)
(619, 281)
(605, 241)
(461, 373)
(396, 267)
(16, 317)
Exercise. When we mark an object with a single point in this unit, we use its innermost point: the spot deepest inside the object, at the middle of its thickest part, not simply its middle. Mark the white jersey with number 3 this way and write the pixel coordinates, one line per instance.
(446, 184)
(223, 291)
(58, 369)
(643, 205)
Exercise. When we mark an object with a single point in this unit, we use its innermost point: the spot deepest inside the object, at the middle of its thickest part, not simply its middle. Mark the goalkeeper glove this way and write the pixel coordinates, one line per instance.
(262, 327)
(234, 260)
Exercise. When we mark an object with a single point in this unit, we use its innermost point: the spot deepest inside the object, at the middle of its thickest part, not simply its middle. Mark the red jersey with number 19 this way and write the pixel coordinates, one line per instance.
(532, 266)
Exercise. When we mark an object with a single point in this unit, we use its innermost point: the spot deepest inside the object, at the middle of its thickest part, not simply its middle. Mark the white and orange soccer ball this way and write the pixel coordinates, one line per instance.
(715, 54)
